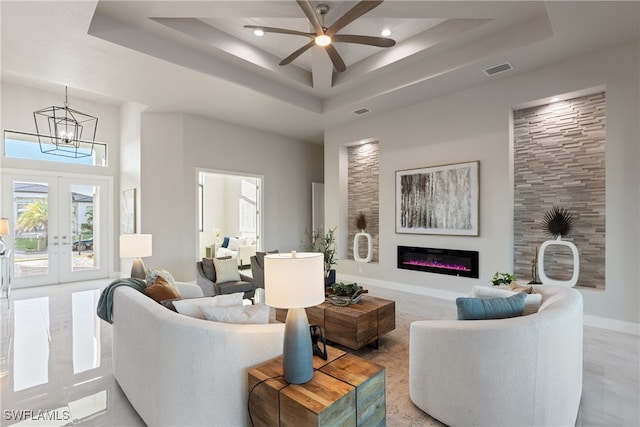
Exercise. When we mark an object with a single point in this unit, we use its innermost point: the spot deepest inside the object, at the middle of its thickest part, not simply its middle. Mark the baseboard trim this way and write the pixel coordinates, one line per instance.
(592, 321)
(412, 289)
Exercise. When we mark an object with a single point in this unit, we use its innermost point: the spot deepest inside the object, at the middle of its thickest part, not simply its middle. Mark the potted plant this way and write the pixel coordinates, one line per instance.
(325, 243)
(346, 293)
(502, 279)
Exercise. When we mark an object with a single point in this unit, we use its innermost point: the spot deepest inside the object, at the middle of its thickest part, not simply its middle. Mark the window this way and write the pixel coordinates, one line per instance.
(247, 207)
(20, 145)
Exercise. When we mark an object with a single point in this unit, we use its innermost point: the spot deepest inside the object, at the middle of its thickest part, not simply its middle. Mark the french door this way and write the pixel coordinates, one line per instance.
(60, 227)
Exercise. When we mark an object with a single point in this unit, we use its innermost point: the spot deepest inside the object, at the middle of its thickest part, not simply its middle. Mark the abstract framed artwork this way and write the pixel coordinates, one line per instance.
(438, 200)
(128, 212)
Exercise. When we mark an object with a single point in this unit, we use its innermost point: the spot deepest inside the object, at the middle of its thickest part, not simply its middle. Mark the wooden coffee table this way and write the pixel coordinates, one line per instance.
(355, 325)
(345, 390)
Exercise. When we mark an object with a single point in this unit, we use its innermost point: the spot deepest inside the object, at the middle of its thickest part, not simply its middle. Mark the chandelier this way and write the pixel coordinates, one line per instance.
(61, 130)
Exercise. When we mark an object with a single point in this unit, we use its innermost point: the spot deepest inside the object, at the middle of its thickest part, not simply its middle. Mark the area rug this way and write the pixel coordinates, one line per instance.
(393, 354)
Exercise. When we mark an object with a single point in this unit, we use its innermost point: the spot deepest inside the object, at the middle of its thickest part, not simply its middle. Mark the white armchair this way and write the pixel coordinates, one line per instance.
(520, 371)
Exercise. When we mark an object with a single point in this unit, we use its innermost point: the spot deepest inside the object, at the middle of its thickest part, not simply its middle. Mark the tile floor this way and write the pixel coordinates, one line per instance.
(55, 362)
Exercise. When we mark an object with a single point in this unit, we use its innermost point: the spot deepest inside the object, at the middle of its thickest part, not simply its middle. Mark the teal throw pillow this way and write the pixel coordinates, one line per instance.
(490, 308)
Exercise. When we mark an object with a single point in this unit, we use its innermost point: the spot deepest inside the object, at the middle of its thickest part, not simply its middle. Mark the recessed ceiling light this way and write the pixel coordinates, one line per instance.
(258, 32)
(554, 99)
(386, 32)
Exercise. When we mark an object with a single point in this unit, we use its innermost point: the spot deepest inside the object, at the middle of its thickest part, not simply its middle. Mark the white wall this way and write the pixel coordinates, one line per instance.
(214, 217)
(175, 145)
(230, 206)
(129, 175)
(474, 124)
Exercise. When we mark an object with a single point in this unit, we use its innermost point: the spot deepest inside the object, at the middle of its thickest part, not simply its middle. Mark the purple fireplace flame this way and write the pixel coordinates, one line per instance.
(443, 261)
(436, 264)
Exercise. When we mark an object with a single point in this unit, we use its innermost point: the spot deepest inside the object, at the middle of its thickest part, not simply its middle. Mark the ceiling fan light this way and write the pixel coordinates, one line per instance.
(385, 33)
(323, 40)
(258, 32)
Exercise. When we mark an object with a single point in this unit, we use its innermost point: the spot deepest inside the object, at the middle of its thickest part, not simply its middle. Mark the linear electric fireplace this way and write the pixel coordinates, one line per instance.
(442, 261)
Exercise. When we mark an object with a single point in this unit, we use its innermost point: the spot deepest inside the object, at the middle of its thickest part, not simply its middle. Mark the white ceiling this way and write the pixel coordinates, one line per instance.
(196, 57)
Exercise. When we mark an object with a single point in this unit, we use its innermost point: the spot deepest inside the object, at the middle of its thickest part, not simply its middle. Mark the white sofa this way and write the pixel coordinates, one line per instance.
(181, 371)
(522, 371)
(240, 248)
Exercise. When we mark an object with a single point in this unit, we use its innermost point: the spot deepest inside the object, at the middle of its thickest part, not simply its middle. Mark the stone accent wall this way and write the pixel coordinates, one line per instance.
(362, 192)
(559, 159)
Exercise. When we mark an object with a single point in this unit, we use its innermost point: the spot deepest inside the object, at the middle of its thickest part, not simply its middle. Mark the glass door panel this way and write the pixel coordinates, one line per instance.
(30, 232)
(57, 227)
(82, 204)
(83, 218)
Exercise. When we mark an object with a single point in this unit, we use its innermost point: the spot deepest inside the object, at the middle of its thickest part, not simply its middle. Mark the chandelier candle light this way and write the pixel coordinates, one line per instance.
(136, 246)
(60, 130)
(295, 281)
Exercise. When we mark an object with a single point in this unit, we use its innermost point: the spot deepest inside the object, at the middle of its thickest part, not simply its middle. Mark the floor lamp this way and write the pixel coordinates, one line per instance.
(295, 281)
(136, 246)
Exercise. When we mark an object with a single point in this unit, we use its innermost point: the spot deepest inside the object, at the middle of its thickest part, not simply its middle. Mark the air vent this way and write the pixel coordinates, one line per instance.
(361, 111)
(498, 69)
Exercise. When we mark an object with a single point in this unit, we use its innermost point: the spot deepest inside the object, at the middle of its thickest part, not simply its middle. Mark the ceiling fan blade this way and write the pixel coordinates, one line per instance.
(297, 53)
(368, 40)
(308, 10)
(338, 63)
(279, 30)
(357, 11)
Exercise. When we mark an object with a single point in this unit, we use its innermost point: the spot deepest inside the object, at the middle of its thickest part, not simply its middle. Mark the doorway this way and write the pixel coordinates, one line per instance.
(59, 228)
(230, 205)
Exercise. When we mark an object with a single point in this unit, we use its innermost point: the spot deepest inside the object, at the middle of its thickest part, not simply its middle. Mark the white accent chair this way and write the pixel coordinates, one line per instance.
(522, 371)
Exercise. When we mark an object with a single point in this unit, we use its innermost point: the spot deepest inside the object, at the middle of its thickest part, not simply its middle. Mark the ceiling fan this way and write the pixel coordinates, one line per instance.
(324, 36)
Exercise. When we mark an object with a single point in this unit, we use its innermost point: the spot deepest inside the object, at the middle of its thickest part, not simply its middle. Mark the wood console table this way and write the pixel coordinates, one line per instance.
(355, 325)
(345, 390)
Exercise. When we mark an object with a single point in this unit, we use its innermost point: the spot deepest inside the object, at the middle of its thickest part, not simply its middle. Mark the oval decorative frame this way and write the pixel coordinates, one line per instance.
(356, 252)
(576, 263)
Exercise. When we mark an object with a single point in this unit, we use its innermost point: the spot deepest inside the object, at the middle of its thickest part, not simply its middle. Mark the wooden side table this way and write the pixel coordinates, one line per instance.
(345, 390)
(355, 325)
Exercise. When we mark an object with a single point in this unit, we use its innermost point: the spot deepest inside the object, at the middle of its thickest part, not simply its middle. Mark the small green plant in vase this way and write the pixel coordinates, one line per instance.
(502, 279)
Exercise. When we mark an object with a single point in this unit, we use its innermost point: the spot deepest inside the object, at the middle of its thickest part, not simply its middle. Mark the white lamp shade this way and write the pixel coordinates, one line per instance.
(294, 280)
(135, 245)
(4, 226)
